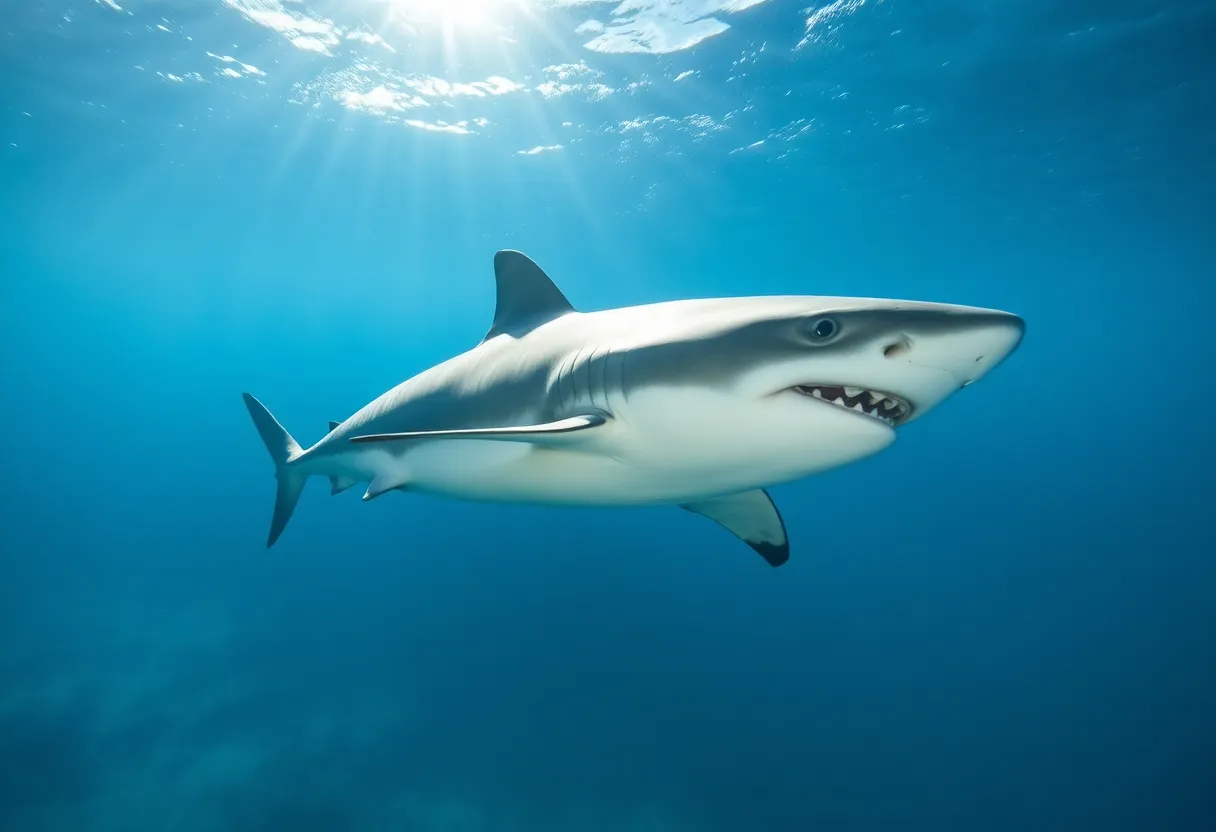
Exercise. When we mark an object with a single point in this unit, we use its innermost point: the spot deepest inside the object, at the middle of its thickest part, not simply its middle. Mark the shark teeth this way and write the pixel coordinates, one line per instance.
(876, 405)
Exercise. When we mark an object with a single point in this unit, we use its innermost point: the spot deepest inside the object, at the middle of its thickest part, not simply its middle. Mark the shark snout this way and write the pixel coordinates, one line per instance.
(966, 345)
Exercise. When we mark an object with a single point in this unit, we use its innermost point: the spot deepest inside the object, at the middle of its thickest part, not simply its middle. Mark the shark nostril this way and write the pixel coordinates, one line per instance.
(895, 350)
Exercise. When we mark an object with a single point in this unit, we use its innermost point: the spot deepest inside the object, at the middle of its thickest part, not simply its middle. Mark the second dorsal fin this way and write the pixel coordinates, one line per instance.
(526, 298)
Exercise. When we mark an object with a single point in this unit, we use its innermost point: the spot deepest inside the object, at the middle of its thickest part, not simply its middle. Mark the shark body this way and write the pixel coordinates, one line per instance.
(697, 403)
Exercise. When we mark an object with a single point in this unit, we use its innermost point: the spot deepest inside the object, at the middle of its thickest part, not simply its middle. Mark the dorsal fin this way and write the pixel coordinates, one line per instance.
(527, 297)
(333, 425)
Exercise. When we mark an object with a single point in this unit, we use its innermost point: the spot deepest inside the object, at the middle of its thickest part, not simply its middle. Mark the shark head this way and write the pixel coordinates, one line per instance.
(889, 362)
(802, 384)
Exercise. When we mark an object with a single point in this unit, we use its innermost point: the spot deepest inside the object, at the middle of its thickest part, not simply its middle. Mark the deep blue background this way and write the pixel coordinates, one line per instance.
(1006, 620)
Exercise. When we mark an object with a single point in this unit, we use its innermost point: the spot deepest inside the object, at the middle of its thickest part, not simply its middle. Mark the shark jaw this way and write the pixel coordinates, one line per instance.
(889, 409)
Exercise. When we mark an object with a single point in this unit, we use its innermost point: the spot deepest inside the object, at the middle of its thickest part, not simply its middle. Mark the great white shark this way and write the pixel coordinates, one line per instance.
(702, 403)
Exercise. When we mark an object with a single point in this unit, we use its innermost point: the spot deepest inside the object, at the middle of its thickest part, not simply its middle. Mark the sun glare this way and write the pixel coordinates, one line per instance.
(450, 15)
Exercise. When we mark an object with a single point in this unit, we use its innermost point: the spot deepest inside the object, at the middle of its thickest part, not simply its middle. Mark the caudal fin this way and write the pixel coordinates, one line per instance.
(283, 450)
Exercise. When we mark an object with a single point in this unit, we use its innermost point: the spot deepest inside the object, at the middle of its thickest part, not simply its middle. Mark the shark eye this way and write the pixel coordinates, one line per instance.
(821, 329)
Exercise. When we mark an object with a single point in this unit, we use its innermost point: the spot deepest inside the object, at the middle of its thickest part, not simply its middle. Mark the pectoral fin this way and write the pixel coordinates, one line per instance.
(340, 484)
(384, 483)
(514, 433)
(751, 517)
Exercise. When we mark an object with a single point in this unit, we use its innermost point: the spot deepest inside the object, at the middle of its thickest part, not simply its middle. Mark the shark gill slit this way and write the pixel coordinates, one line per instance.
(592, 365)
(602, 386)
(612, 383)
(562, 375)
(580, 361)
(584, 375)
(555, 382)
(572, 379)
(625, 376)
(595, 378)
(585, 394)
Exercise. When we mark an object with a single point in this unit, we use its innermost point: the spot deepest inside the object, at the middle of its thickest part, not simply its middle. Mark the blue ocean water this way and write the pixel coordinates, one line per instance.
(1003, 621)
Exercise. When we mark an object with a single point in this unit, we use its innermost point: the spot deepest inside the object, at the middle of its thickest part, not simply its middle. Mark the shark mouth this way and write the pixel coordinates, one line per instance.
(881, 406)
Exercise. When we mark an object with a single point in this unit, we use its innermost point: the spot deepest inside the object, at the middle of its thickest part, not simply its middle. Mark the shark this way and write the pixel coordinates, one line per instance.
(702, 403)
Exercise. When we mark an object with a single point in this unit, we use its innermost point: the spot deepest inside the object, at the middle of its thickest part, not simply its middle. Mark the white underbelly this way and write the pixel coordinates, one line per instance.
(518, 472)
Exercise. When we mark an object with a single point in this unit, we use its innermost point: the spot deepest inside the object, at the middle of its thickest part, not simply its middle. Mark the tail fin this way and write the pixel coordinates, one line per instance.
(283, 450)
